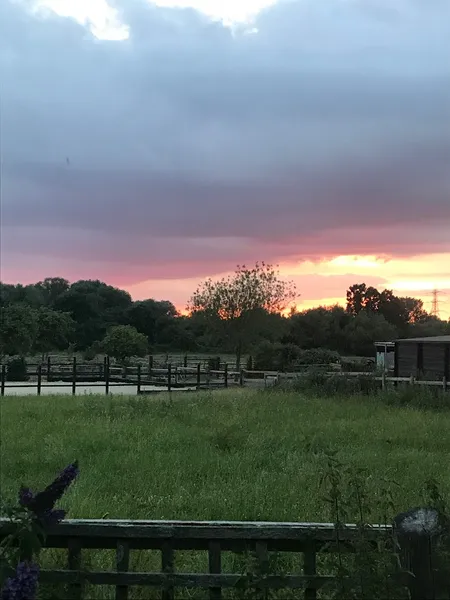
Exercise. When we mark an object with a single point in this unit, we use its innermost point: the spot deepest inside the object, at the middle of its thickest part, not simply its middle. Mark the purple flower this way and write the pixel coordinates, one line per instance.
(46, 500)
(25, 496)
(52, 516)
(23, 585)
(63, 481)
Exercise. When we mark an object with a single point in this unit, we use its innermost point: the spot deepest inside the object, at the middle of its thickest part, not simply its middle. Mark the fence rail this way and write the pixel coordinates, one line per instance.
(213, 538)
(183, 378)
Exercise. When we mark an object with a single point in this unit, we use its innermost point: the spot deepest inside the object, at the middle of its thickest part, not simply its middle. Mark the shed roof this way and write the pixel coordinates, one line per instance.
(434, 339)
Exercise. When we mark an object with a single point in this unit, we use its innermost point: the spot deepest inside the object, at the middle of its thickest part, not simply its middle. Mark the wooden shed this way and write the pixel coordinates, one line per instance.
(427, 357)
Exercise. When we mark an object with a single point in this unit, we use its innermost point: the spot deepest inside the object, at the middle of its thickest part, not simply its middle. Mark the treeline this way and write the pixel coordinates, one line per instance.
(243, 313)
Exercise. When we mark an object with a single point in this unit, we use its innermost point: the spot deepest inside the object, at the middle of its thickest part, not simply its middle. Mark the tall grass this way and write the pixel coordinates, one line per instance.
(231, 455)
(235, 454)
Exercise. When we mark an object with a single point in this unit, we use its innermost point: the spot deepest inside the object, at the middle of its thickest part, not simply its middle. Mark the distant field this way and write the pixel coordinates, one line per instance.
(236, 454)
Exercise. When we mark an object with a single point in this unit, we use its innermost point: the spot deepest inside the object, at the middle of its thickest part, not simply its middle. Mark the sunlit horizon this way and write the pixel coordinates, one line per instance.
(325, 282)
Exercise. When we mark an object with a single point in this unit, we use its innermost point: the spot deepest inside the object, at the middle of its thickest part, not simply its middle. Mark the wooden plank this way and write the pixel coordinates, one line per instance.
(167, 563)
(215, 567)
(237, 546)
(182, 580)
(310, 570)
(262, 556)
(164, 530)
(122, 565)
(96, 530)
(74, 564)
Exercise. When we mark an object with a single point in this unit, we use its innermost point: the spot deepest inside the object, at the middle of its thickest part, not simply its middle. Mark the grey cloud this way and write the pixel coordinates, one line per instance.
(336, 114)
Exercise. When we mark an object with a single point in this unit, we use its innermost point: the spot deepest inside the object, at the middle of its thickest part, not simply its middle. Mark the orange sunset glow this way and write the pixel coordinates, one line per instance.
(325, 282)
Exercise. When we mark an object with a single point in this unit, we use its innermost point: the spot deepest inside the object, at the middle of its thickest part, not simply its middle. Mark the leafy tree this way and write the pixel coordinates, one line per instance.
(123, 342)
(321, 327)
(239, 302)
(356, 295)
(372, 299)
(23, 294)
(396, 310)
(18, 329)
(51, 288)
(393, 309)
(365, 329)
(156, 320)
(55, 330)
(94, 306)
(429, 327)
(183, 336)
(7, 293)
(415, 312)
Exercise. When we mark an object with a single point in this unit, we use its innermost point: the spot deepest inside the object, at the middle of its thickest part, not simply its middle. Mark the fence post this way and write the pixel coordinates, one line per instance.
(150, 367)
(3, 380)
(139, 379)
(49, 366)
(383, 381)
(107, 375)
(74, 376)
(444, 383)
(185, 361)
(39, 379)
(169, 377)
(199, 376)
(241, 378)
(417, 532)
(225, 375)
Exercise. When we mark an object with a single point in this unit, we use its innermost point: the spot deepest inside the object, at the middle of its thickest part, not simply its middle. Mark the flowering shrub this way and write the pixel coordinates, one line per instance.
(32, 516)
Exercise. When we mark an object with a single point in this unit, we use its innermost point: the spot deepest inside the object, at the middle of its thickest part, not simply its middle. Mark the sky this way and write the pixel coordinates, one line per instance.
(154, 144)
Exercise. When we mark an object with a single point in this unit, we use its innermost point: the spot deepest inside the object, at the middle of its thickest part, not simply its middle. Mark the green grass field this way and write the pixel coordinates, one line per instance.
(225, 455)
(236, 454)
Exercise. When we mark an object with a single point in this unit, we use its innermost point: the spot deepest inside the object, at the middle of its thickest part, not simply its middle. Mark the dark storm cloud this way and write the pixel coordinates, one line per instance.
(335, 115)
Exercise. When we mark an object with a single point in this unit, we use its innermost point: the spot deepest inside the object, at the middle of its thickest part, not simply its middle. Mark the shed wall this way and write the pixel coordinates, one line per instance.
(433, 360)
(422, 359)
(406, 359)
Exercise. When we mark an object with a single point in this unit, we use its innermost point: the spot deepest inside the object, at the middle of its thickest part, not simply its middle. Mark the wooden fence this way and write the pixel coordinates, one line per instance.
(310, 540)
(75, 375)
(108, 376)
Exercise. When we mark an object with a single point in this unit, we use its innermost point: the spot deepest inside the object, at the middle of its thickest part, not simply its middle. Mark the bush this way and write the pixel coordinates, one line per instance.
(319, 382)
(17, 369)
(90, 353)
(124, 341)
(424, 398)
(356, 366)
(264, 356)
(289, 357)
(318, 356)
(271, 356)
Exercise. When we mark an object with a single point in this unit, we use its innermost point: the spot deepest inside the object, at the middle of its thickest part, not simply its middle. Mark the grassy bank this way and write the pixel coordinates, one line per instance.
(228, 455)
